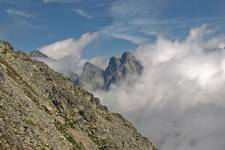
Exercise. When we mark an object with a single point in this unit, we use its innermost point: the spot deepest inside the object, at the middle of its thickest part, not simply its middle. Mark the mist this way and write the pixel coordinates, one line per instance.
(178, 102)
(66, 56)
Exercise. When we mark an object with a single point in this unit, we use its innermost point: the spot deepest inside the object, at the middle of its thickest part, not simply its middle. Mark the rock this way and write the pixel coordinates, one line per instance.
(119, 68)
(75, 78)
(92, 77)
(38, 113)
(1, 77)
(5, 47)
(37, 54)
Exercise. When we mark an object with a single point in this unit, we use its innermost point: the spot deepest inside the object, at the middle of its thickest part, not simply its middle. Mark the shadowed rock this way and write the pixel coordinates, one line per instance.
(119, 68)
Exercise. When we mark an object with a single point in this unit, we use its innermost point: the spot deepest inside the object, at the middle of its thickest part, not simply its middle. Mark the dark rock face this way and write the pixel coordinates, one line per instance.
(42, 109)
(117, 70)
(37, 54)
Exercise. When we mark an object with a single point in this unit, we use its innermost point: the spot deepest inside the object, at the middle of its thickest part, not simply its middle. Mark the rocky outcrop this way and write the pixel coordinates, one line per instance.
(117, 70)
(92, 77)
(37, 54)
(42, 109)
(5, 47)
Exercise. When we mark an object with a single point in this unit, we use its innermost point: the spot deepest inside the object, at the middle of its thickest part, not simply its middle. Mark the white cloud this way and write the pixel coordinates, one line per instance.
(66, 47)
(16, 2)
(178, 101)
(82, 13)
(60, 1)
(66, 55)
(18, 13)
(139, 21)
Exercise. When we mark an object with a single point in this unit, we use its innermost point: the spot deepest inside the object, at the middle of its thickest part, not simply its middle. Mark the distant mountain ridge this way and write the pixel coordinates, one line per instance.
(94, 78)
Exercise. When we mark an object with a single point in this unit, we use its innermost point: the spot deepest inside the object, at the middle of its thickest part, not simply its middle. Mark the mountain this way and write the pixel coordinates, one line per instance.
(92, 77)
(119, 68)
(42, 109)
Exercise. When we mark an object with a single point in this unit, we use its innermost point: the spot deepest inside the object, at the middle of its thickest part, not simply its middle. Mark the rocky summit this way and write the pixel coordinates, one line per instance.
(119, 68)
(42, 109)
(94, 78)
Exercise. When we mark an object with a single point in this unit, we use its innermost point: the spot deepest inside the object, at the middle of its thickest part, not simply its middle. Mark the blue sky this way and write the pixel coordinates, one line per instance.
(121, 24)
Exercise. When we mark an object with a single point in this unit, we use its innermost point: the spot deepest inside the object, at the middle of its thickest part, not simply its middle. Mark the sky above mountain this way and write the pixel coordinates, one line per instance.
(120, 24)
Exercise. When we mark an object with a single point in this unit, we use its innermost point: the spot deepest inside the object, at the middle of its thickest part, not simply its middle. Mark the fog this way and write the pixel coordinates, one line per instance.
(178, 101)
(69, 53)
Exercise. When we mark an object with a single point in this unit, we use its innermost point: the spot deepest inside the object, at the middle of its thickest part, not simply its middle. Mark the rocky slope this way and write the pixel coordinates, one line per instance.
(42, 109)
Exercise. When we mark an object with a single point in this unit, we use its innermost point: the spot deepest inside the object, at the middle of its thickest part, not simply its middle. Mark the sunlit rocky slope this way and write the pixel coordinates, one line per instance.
(42, 109)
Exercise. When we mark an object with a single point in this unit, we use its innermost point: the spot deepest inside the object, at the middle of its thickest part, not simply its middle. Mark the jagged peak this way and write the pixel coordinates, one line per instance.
(114, 60)
(126, 54)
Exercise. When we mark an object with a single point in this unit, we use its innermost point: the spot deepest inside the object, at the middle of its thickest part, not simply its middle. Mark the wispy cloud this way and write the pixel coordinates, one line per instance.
(15, 2)
(138, 21)
(23, 17)
(60, 1)
(82, 13)
(19, 13)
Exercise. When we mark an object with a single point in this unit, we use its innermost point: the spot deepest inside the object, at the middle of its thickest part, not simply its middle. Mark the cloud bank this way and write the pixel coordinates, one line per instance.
(178, 101)
(66, 56)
